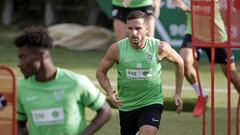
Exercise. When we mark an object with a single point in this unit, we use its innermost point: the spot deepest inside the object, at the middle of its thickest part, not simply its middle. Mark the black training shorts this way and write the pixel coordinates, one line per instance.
(121, 13)
(220, 53)
(131, 121)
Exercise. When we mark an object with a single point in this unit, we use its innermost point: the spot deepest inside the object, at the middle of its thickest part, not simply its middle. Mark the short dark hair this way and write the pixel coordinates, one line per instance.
(34, 36)
(137, 14)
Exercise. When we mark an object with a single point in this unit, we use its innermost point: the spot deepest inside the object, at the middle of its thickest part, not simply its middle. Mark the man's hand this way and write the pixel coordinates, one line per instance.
(179, 103)
(114, 98)
(180, 4)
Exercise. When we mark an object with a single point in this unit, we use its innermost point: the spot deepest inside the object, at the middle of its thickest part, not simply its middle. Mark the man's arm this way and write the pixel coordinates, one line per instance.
(22, 128)
(103, 115)
(180, 4)
(157, 6)
(106, 63)
(166, 51)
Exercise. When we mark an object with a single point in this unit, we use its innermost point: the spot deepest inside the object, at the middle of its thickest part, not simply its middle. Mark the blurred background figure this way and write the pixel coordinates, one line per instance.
(220, 54)
(121, 8)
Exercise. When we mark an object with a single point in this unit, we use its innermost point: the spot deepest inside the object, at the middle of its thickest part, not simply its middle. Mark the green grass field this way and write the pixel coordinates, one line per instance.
(171, 124)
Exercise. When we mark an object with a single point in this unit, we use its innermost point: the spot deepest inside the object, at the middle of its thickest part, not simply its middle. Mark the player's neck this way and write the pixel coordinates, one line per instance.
(46, 73)
(139, 45)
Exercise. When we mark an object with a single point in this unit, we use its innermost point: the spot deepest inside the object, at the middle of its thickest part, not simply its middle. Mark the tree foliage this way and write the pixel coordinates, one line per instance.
(25, 12)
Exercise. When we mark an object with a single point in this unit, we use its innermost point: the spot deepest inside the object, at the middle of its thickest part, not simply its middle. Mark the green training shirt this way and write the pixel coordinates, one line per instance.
(139, 75)
(57, 107)
(133, 3)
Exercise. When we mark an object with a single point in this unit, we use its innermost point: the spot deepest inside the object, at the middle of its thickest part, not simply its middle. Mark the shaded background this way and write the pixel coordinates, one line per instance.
(170, 25)
(22, 13)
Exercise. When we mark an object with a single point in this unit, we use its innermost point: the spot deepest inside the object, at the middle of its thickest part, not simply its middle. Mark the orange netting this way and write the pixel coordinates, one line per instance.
(215, 24)
(8, 112)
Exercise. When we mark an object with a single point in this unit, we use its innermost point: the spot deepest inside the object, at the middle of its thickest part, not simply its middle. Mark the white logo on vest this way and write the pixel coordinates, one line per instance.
(149, 57)
(58, 94)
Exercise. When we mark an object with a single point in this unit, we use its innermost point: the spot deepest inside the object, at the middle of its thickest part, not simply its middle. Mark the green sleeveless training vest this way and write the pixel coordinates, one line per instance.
(139, 75)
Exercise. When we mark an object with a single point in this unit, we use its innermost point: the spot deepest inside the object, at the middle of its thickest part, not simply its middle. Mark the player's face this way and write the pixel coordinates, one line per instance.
(136, 30)
(29, 61)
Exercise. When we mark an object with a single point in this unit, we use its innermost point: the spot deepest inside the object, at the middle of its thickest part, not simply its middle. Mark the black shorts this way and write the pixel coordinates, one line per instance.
(121, 13)
(220, 53)
(131, 121)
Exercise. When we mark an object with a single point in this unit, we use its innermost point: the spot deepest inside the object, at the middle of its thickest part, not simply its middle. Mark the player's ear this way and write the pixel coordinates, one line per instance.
(43, 54)
(38, 56)
(147, 27)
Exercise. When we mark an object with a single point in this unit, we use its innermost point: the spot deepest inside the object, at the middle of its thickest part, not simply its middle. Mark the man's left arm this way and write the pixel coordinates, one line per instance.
(103, 115)
(157, 6)
(166, 51)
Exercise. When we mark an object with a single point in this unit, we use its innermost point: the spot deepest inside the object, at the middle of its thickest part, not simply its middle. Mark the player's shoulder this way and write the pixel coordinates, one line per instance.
(23, 85)
(152, 39)
(113, 50)
(21, 81)
(163, 47)
(68, 74)
(164, 44)
(73, 78)
(114, 46)
(123, 42)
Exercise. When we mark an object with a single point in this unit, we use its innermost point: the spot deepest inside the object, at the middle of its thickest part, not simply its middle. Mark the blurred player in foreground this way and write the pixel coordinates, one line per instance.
(51, 99)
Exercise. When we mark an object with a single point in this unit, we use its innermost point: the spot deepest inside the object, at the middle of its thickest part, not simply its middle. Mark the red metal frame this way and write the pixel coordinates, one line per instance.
(228, 45)
(237, 116)
(14, 99)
